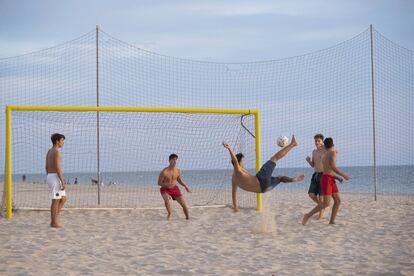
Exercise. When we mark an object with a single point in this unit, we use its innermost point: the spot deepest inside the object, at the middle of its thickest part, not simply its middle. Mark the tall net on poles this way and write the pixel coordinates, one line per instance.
(328, 92)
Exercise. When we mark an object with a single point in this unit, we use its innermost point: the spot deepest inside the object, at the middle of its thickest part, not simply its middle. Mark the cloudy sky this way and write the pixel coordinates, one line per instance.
(232, 31)
(224, 31)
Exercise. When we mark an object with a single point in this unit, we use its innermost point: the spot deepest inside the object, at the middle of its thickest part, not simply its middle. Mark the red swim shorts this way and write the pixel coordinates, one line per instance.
(174, 192)
(328, 185)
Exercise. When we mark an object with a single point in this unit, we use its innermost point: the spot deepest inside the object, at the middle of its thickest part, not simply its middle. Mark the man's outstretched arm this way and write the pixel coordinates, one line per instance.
(335, 169)
(310, 161)
(236, 164)
(180, 180)
(338, 178)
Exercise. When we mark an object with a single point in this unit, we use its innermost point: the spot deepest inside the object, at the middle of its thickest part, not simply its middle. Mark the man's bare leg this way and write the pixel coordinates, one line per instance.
(167, 203)
(54, 209)
(183, 204)
(52, 213)
(321, 205)
(317, 200)
(280, 154)
(322, 211)
(286, 179)
(335, 208)
(62, 202)
(314, 197)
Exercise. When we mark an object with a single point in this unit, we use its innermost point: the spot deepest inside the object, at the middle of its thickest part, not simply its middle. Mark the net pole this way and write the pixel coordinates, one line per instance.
(373, 114)
(8, 183)
(98, 176)
(258, 162)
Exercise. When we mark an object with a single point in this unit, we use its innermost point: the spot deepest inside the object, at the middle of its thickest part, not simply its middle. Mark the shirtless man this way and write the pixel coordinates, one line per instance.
(263, 181)
(55, 179)
(329, 188)
(168, 179)
(315, 190)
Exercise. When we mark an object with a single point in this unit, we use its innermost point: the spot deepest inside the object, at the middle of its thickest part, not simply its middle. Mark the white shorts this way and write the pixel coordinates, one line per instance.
(53, 182)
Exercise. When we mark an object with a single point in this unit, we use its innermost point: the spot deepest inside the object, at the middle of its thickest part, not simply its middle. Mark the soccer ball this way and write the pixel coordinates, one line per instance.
(282, 141)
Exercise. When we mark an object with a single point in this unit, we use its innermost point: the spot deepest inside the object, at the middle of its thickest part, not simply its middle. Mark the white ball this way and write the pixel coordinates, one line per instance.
(282, 141)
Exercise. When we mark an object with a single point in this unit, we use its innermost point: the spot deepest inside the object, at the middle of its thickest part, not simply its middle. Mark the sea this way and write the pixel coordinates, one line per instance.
(389, 179)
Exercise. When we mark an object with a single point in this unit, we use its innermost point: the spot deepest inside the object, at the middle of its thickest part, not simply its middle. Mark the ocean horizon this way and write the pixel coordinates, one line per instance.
(390, 179)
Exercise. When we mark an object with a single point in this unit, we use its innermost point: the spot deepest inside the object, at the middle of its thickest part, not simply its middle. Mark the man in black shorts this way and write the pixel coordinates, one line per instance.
(263, 181)
(315, 161)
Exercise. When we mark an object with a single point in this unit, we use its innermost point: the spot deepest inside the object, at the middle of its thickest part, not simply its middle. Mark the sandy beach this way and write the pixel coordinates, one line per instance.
(370, 238)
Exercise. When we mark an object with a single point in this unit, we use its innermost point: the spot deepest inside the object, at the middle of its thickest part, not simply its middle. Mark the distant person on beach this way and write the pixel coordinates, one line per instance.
(168, 179)
(55, 179)
(76, 181)
(315, 190)
(263, 181)
(329, 188)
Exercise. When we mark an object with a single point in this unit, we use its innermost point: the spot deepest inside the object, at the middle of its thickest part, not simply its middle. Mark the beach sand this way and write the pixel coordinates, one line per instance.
(370, 238)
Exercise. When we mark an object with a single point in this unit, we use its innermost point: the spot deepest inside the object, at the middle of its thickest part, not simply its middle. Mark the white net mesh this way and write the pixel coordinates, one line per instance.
(328, 91)
(134, 148)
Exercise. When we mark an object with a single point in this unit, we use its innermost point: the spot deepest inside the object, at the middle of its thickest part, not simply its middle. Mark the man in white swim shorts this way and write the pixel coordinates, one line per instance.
(55, 179)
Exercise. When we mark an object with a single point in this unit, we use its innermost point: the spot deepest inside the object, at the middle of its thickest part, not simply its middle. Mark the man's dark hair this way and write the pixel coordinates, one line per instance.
(328, 142)
(318, 136)
(239, 157)
(172, 156)
(56, 137)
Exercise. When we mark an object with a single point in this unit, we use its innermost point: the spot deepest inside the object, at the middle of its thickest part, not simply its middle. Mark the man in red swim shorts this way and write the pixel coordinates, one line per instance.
(173, 192)
(168, 179)
(328, 185)
(329, 188)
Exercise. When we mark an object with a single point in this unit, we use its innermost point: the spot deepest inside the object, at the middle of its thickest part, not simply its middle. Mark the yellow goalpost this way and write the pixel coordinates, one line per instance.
(11, 108)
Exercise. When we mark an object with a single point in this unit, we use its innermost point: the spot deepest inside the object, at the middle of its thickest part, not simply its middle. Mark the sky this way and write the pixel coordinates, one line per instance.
(238, 31)
(223, 31)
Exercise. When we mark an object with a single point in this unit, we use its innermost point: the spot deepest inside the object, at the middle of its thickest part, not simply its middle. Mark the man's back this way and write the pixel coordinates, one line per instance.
(51, 160)
(246, 181)
(329, 159)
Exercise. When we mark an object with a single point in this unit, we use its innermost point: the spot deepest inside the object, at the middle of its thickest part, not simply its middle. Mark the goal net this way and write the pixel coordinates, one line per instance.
(112, 158)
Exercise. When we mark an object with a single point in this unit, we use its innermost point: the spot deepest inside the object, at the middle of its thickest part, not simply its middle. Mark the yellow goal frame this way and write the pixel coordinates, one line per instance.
(10, 108)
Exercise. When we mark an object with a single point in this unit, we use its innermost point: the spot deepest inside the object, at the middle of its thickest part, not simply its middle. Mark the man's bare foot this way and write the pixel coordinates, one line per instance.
(56, 225)
(332, 222)
(169, 216)
(293, 142)
(305, 219)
